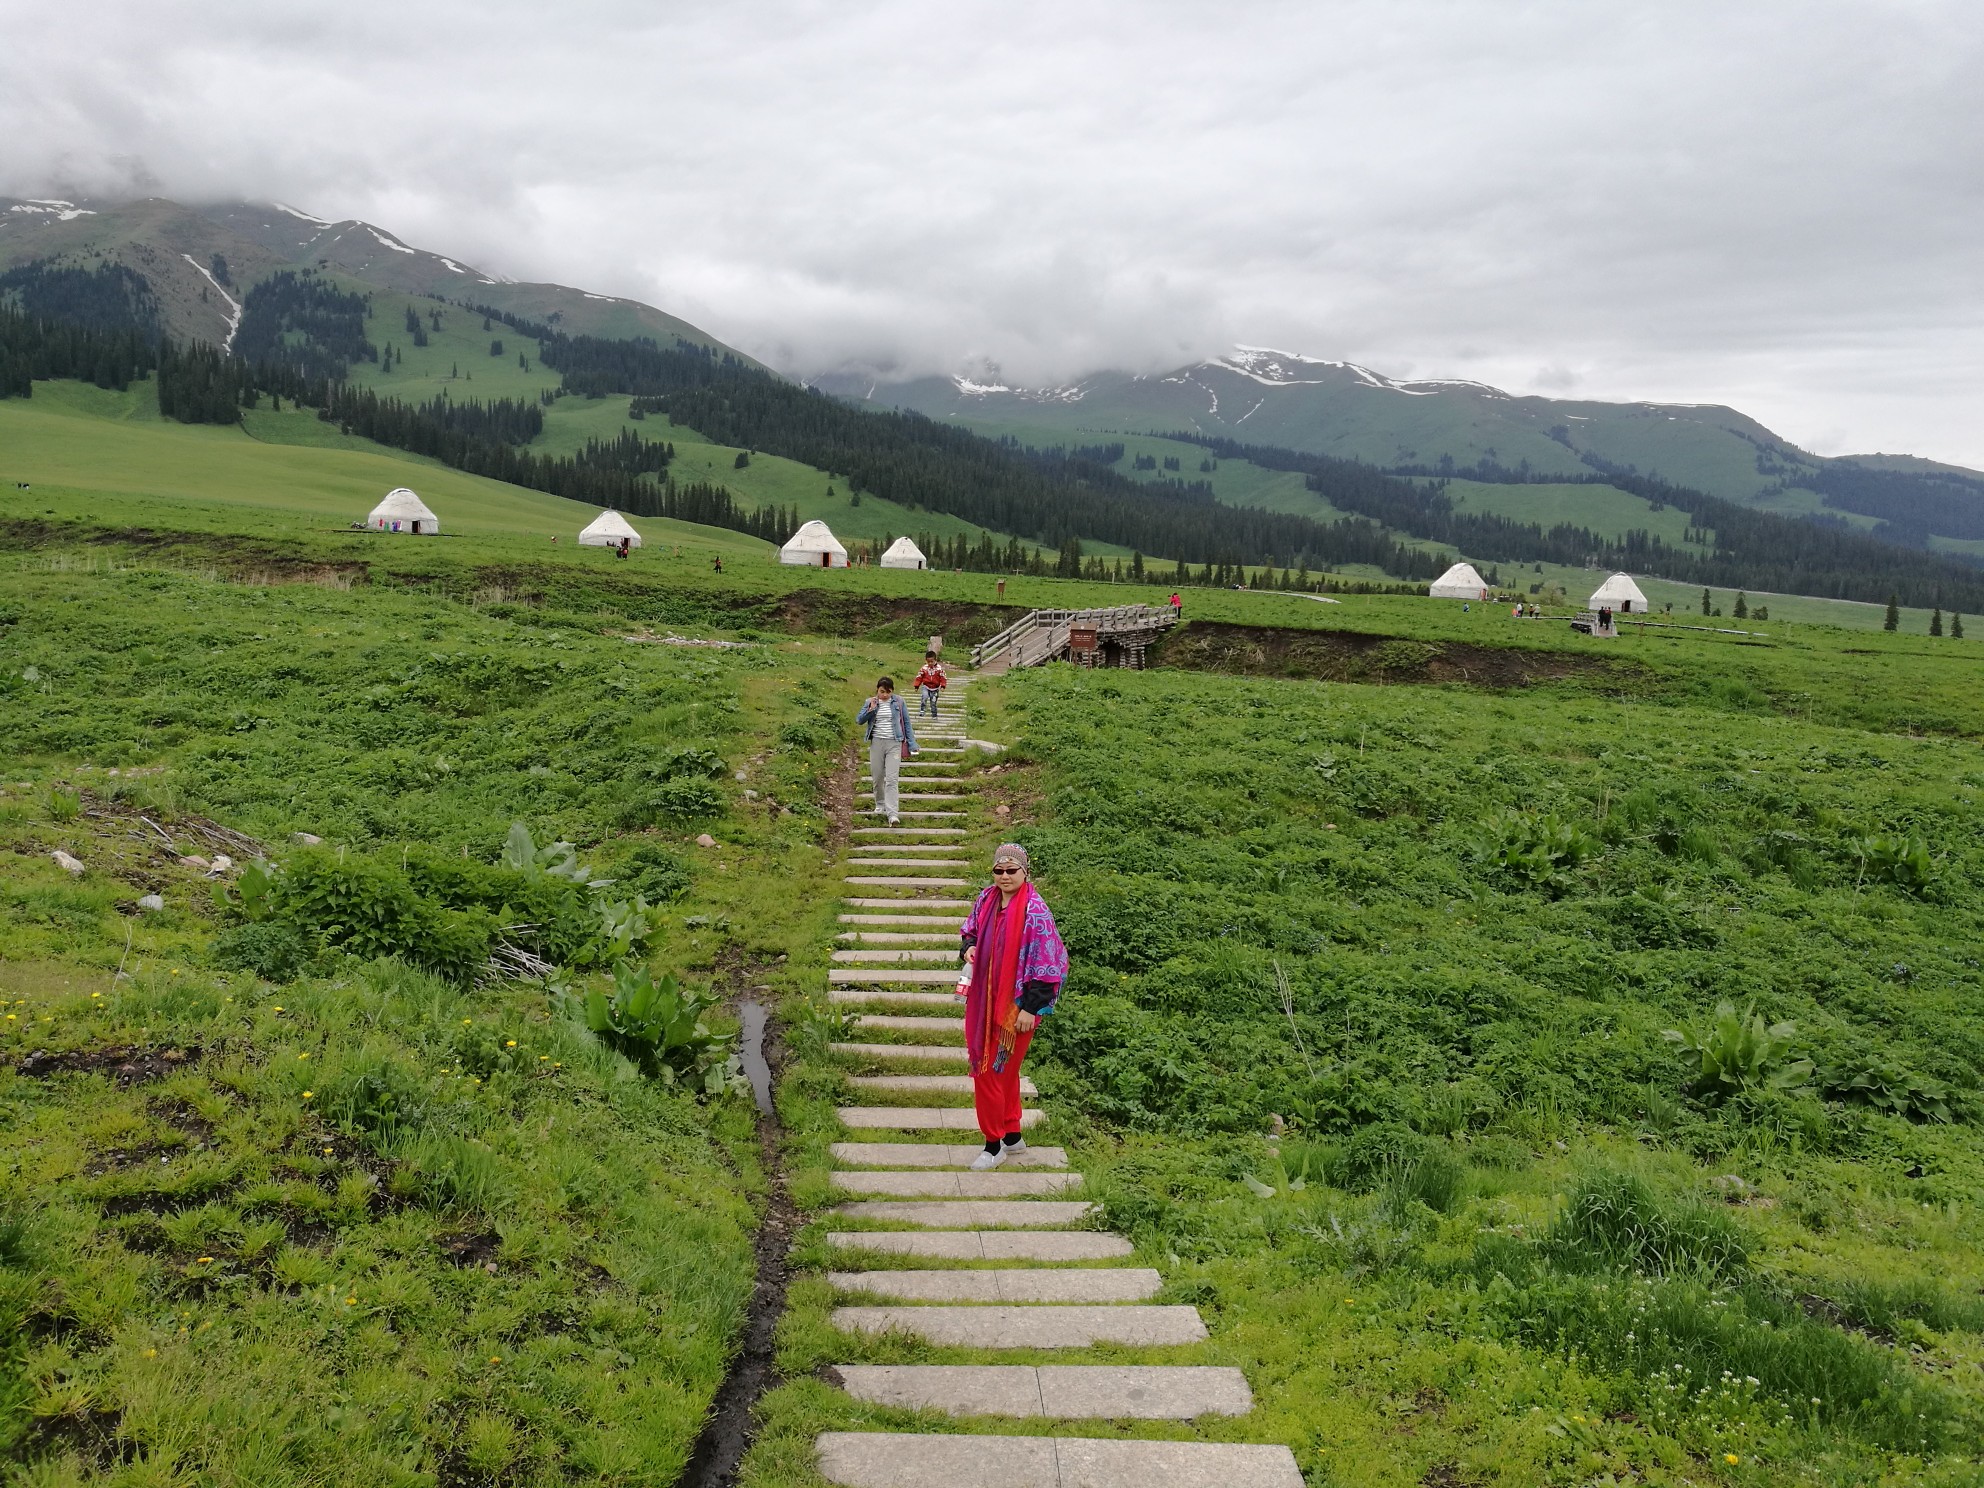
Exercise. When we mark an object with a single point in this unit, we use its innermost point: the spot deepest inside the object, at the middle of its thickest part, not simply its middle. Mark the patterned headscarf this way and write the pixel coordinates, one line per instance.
(1013, 852)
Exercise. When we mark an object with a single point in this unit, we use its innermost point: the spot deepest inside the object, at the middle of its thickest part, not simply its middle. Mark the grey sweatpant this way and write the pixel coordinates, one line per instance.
(885, 765)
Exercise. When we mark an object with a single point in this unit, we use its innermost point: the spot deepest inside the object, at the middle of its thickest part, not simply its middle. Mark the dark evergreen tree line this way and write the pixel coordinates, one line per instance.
(108, 297)
(299, 321)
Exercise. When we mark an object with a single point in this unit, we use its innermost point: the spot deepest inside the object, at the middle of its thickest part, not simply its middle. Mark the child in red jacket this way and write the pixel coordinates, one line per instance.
(929, 683)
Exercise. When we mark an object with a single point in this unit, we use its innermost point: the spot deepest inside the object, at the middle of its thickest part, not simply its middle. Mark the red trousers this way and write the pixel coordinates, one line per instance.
(997, 1097)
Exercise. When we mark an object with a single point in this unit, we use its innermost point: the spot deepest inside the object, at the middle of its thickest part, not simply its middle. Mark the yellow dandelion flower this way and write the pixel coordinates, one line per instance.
(543, 1058)
(203, 1260)
(278, 1007)
(350, 1301)
(495, 1358)
(467, 1021)
(1731, 1458)
(509, 1043)
(308, 1093)
(96, 994)
(12, 1016)
(303, 1056)
(151, 1353)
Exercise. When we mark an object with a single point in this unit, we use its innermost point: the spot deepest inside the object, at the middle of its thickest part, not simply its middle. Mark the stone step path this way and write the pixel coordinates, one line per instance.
(995, 1326)
(1052, 1285)
(923, 1118)
(1133, 1392)
(875, 1459)
(1060, 1247)
(925, 1053)
(1092, 1285)
(926, 1184)
(930, 1155)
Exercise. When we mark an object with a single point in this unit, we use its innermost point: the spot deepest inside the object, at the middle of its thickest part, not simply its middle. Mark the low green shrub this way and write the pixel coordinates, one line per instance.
(1886, 1087)
(1616, 1219)
(1733, 1052)
(1897, 858)
(273, 951)
(1535, 851)
(658, 1025)
(672, 801)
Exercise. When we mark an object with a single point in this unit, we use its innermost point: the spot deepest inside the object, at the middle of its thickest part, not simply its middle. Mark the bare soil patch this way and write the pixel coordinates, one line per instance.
(1353, 656)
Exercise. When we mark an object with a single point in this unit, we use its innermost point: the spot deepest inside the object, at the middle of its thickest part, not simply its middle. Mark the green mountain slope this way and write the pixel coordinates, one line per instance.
(1350, 412)
(173, 246)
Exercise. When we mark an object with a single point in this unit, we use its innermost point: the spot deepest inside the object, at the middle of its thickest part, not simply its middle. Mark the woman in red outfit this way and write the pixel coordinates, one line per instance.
(1014, 967)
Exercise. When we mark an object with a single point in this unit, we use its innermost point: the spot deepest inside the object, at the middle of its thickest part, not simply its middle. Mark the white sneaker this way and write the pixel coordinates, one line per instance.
(1013, 1147)
(985, 1162)
(895, 821)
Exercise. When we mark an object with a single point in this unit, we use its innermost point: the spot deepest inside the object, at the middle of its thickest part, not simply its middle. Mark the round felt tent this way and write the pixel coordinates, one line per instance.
(608, 530)
(402, 511)
(813, 546)
(1620, 595)
(1459, 582)
(903, 553)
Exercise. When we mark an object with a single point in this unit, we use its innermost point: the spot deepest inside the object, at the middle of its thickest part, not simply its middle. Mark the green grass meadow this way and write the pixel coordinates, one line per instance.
(338, 1206)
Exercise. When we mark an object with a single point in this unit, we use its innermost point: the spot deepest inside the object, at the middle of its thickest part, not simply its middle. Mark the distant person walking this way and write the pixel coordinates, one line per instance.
(1177, 605)
(1014, 965)
(891, 740)
(930, 684)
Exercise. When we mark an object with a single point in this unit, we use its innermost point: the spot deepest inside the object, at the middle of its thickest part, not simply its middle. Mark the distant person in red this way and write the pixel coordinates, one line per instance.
(930, 683)
(716, 565)
(1177, 606)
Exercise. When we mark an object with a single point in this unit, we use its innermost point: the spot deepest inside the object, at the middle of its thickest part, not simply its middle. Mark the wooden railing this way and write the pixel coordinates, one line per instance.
(1041, 635)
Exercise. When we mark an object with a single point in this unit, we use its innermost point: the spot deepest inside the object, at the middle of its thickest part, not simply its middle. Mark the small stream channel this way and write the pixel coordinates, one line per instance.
(727, 1433)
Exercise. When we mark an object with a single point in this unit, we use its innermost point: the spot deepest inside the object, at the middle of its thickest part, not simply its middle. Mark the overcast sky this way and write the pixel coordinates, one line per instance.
(1776, 204)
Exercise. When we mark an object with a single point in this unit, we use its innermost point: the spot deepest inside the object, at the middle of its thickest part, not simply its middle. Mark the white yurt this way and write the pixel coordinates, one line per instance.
(903, 553)
(608, 530)
(402, 511)
(813, 546)
(1620, 595)
(1459, 582)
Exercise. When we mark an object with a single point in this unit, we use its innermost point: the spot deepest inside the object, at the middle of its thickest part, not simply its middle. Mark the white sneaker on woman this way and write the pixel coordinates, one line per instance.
(985, 1162)
(1014, 1147)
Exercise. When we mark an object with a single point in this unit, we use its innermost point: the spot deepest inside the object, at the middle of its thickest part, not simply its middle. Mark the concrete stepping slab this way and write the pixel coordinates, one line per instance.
(933, 1027)
(908, 863)
(899, 937)
(918, 831)
(919, 905)
(995, 1184)
(928, 922)
(906, 883)
(925, 1084)
(880, 1459)
(1066, 1392)
(892, 999)
(936, 978)
(897, 954)
(1056, 1247)
(971, 1214)
(921, 1053)
(1030, 1327)
(923, 1118)
(1093, 1286)
(934, 1155)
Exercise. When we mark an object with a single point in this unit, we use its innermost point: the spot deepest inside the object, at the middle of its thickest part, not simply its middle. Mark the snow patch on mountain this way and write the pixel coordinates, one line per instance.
(386, 239)
(1071, 393)
(301, 216)
(454, 267)
(233, 305)
(61, 211)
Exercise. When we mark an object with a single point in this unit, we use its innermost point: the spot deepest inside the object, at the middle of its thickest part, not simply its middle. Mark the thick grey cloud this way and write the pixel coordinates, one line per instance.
(1778, 204)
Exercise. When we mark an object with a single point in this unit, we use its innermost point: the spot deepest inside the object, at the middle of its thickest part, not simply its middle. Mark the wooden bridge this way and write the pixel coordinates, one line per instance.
(1114, 637)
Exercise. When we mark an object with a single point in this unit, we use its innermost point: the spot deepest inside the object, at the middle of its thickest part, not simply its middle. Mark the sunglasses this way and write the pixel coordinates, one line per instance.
(1008, 868)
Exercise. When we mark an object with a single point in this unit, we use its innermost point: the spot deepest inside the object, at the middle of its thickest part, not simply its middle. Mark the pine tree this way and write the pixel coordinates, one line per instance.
(1742, 610)
(1705, 603)
(1936, 621)
(1956, 626)
(1893, 620)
